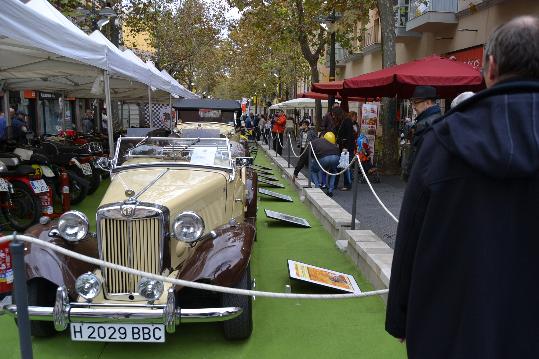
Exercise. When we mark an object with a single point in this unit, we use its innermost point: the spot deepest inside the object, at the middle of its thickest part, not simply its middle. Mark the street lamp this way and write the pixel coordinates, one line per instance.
(328, 23)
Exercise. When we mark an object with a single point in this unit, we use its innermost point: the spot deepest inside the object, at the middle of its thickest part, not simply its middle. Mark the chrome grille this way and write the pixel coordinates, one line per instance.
(132, 242)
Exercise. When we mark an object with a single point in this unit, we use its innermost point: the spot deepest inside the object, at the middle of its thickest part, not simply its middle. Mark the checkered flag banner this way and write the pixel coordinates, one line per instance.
(160, 116)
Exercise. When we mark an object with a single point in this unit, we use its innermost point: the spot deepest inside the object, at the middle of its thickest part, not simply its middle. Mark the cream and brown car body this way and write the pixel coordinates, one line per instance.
(155, 181)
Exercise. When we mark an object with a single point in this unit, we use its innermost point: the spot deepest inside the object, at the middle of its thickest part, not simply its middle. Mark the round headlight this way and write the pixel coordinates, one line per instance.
(73, 226)
(88, 285)
(188, 227)
(150, 289)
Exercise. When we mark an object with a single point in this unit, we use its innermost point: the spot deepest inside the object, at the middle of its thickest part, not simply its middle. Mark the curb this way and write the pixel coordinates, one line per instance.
(371, 255)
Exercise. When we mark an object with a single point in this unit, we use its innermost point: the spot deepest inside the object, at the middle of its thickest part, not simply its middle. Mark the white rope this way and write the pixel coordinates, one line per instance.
(331, 174)
(292, 147)
(182, 282)
(373, 192)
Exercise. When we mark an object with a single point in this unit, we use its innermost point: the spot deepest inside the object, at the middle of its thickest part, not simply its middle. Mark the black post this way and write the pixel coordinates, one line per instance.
(354, 193)
(310, 160)
(289, 148)
(21, 298)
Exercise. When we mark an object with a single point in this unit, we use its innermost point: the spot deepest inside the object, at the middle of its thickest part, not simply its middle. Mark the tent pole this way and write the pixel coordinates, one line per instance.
(170, 110)
(63, 109)
(110, 129)
(6, 107)
(150, 106)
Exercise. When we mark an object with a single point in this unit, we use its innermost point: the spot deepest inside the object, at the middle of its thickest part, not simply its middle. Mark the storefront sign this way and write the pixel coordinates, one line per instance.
(472, 56)
(29, 94)
(48, 96)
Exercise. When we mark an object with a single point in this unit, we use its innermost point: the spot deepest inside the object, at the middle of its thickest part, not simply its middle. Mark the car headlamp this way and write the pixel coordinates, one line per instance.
(73, 226)
(150, 289)
(88, 286)
(188, 227)
(3, 167)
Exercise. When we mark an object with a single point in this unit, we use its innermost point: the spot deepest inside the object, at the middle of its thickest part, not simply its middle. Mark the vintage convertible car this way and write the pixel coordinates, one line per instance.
(179, 207)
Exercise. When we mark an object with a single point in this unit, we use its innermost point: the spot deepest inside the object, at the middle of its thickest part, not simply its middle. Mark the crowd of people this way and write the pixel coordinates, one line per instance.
(18, 128)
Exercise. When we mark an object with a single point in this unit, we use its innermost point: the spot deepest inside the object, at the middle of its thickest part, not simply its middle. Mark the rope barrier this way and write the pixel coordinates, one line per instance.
(331, 174)
(292, 147)
(182, 282)
(373, 192)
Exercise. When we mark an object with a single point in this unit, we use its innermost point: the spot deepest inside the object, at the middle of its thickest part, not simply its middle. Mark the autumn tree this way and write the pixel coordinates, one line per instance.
(186, 36)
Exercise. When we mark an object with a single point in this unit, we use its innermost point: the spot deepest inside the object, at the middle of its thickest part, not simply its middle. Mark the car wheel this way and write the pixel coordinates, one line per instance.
(242, 326)
(25, 208)
(95, 180)
(41, 293)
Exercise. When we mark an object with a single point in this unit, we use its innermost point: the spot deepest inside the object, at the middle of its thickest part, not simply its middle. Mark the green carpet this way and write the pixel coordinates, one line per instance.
(352, 328)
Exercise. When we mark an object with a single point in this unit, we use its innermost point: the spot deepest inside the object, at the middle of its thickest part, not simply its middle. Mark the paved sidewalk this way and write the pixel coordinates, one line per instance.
(369, 212)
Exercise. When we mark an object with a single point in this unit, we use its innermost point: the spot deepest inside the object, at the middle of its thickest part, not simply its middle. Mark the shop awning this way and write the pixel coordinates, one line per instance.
(449, 77)
(327, 87)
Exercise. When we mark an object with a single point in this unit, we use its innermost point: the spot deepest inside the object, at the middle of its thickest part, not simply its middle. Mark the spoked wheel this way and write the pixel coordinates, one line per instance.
(24, 207)
(242, 326)
(78, 188)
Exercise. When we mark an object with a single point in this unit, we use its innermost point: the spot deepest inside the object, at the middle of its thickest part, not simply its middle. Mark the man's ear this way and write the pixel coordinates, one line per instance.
(492, 70)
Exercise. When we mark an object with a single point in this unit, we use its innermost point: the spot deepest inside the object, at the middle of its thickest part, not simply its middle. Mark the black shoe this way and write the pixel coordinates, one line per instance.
(330, 194)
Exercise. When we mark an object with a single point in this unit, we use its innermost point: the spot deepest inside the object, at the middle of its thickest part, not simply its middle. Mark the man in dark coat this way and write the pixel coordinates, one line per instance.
(423, 101)
(466, 254)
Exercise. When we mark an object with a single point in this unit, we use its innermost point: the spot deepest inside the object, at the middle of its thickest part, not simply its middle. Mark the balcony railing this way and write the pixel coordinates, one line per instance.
(370, 36)
(420, 7)
(401, 15)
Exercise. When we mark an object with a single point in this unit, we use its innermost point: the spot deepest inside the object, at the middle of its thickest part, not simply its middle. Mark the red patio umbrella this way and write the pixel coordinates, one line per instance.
(449, 77)
(330, 88)
(322, 96)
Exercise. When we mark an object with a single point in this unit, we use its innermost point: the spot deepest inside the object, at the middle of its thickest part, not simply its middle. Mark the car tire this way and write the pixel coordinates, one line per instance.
(95, 180)
(25, 202)
(41, 293)
(241, 327)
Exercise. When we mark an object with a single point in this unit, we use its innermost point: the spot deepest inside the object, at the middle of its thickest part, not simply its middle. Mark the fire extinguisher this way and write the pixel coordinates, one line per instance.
(6, 270)
(64, 184)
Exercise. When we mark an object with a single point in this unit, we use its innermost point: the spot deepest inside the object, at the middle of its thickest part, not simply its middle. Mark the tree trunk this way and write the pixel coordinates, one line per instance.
(317, 103)
(390, 153)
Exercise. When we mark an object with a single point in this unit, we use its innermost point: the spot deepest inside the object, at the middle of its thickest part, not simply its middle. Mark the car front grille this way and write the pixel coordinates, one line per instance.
(132, 242)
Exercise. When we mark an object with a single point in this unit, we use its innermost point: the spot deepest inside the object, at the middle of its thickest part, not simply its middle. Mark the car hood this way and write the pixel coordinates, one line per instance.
(178, 189)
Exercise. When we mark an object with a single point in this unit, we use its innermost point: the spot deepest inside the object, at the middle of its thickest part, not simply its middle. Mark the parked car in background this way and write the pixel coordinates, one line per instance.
(178, 207)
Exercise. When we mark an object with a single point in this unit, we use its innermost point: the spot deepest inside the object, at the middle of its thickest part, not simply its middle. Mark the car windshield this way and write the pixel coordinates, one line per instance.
(159, 151)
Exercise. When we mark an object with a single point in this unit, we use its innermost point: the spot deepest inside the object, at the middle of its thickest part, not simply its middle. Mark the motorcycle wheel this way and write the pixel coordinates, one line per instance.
(78, 187)
(25, 208)
(94, 179)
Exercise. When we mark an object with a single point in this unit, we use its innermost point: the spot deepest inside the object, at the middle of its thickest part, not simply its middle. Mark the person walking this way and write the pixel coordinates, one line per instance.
(423, 102)
(306, 135)
(345, 139)
(278, 131)
(88, 122)
(465, 260)
(20, 128)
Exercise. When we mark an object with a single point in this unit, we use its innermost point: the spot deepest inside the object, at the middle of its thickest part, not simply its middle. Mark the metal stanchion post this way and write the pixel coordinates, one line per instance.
(21, 298)
(354, 194)
(310, 160)
(289, 148)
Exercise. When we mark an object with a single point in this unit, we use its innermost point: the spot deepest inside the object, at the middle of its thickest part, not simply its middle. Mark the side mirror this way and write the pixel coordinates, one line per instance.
(244, 161)
(104, 163)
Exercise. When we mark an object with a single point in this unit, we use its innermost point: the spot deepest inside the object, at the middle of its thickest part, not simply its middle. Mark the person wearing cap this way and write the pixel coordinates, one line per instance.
(20, 127)
(328, 154)
(424, 104)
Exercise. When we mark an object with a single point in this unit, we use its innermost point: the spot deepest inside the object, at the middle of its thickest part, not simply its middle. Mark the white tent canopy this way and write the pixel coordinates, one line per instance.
(300, 103)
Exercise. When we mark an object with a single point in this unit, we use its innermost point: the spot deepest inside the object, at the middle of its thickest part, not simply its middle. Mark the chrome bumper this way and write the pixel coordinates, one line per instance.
(168, 314)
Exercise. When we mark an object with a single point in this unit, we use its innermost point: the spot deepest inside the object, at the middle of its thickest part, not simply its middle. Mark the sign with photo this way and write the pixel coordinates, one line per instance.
(322, 276)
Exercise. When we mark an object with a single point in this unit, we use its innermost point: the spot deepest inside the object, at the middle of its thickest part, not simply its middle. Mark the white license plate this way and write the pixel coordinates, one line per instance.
(39, 186)
(147, 333)
(4, 186)
(86, 169)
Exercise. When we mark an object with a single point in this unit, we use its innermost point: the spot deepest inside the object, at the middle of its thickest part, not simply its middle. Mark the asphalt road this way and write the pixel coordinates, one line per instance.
(369, 212)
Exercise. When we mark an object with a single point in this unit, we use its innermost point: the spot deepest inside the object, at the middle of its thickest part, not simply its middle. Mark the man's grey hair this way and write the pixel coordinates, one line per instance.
(515, 47)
